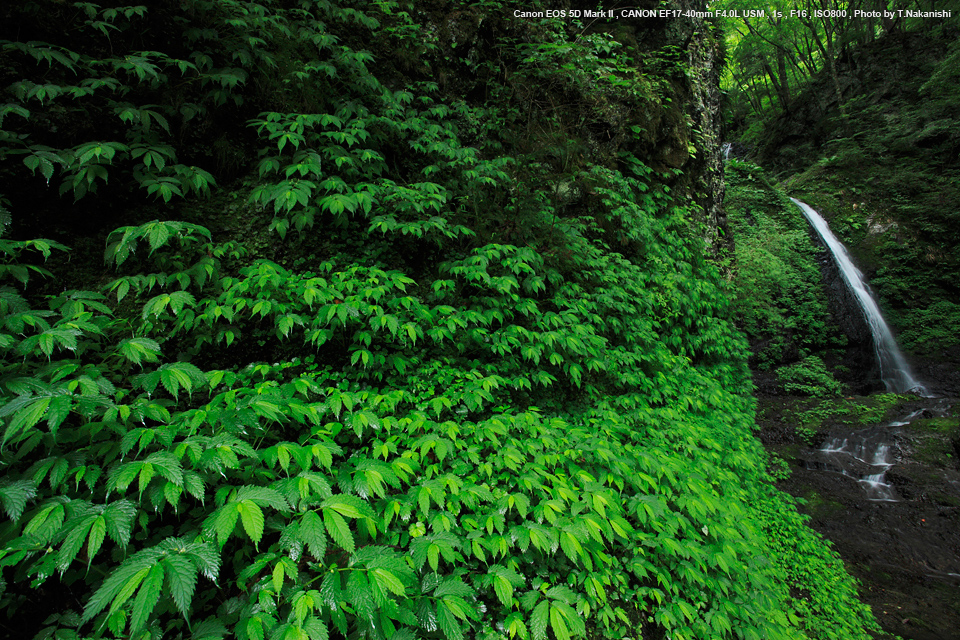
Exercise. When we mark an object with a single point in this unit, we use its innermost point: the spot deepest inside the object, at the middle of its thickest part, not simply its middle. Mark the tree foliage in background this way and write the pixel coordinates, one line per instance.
(773, 57)
(451, 403)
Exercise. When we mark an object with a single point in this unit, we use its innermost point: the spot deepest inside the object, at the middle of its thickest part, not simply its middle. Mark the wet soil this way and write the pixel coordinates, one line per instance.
(905, 553)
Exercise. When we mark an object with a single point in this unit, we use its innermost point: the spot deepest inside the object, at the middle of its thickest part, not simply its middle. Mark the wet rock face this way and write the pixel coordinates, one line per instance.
(678, 128)
(860, 358)
(905, 550)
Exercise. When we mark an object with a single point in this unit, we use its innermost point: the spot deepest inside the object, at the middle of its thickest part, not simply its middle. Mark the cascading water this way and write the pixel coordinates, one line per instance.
(864, 456)
(894, 369)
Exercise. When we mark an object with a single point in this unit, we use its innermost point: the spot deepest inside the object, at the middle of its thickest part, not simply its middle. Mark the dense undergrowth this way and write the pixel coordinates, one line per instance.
(461, 391)
(777, 290)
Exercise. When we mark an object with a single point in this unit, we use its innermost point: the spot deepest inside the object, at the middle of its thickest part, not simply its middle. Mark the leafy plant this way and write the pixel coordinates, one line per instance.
(410, 419)
(777, 287)
(809, 377)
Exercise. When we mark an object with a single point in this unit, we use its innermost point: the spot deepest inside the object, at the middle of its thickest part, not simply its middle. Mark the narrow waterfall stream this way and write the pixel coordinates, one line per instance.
(865, 455)
(894, 369)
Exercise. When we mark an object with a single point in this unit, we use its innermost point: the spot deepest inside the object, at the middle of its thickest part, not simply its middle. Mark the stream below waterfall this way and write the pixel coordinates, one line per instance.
(879, 477)
(867, 455)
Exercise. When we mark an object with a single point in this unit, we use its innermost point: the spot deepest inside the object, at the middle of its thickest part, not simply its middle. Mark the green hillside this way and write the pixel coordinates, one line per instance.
(406, 329)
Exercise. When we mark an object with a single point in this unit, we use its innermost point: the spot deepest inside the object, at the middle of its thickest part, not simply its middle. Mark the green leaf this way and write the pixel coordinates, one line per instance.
(98, 531)
(139, 350)
(454, 586)
(27, 417)
(338, 529)
(73, 542)
(147, 599)
(182, 581)
(311, 532)
(14, 497)
(345, 505)
(252, 518)
(504, 590)
(448, 622)
(224, 521)
(388, 581)
(180, 375)
(558, 624)
(538, 620)
(119, 585)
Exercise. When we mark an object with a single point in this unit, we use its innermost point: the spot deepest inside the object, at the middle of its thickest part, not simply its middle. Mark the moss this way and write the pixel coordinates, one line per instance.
(937, 425)
(817, 506)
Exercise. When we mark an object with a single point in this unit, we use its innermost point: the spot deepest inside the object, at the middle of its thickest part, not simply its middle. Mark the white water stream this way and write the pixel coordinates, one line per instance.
(894, 369)
(864, 456)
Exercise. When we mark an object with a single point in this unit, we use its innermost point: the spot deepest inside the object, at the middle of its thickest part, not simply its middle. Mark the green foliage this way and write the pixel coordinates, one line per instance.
(930, 327)
(465, 431)
(800, 553)
(809, 377)
(777, 286)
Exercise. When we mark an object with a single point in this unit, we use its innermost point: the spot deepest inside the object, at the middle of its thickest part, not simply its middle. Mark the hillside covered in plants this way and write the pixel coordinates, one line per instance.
(379, 320)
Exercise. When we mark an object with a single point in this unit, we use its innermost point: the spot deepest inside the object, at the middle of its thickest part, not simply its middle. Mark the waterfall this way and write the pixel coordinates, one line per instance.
(894, 369)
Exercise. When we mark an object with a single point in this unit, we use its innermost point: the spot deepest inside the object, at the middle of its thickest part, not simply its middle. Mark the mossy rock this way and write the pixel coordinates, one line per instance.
(936, 425)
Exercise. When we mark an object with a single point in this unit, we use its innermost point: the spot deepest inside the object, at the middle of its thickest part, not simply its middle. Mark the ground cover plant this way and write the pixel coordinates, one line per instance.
(418, 396)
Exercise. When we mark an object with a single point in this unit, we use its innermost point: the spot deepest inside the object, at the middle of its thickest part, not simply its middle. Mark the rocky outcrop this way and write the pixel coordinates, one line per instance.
(670, 118)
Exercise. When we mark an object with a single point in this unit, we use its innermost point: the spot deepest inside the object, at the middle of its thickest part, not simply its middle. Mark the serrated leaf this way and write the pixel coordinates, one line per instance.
(73, 542)
(338, 529)
(345, 505)
(504, 590)
(448, 623)
(311, 532)
(330, 590)
(182, 580)
(224, 521)
(389, 581)
(254, 628)
(27, 417)
(454, 586)
(98, 531)
(277, 577)
(15, 496)
(360, 595)
(558, 624)
(146, 599)
(538, 620)
(139, 350)
(571, 546)
(251, 516)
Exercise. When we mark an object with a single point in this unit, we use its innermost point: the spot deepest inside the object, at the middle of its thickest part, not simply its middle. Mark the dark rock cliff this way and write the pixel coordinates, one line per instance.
(668, 115)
